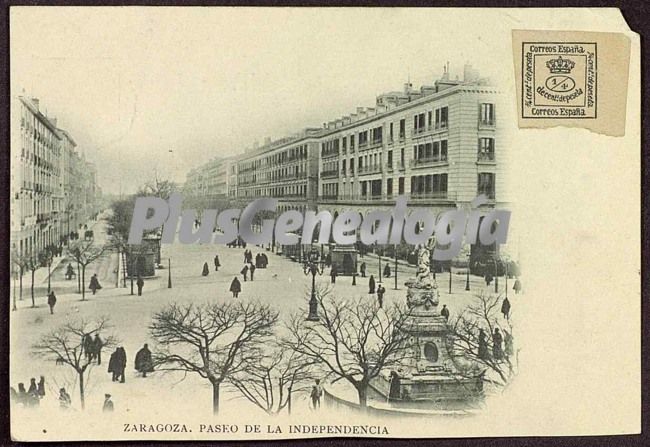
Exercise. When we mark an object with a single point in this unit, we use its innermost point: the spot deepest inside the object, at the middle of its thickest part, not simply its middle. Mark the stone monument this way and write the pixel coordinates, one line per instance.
(427, 376)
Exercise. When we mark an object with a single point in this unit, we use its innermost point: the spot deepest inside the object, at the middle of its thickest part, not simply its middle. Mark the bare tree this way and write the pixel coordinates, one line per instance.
(65, 345)
(464, 344)
(270, 378)
(84, 253)
(213, 340)
(19, 264)
(32, 263)
(355, 340)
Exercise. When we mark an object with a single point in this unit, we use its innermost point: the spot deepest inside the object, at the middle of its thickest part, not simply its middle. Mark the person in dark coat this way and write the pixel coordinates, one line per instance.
(112, 365)
(98, 344)
(69, 272)
(482, 345)
(143, 361)
(507, 339)
(251, 269)
(333, 274)
(23, 396)
(235, 287)
(395, 385)
(265, 260)
(387, 271)
(362, 269)
(505, 308)
(108, 406)
(497, 348)
(244, 271)
(316, 393)
(120, 364)
(444, 312)
(217, 264)
(258, 261)
(64, 399)
(380, 295)
(517, 286)
(140, 284)
(488, 278)
(94, 284)
(51, 301)
(206, 270)
(371, 284)
(87, 344)
(32, 393)
(41, 387)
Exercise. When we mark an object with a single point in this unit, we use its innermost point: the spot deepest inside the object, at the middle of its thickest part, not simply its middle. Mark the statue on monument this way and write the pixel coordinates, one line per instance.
(424, 289)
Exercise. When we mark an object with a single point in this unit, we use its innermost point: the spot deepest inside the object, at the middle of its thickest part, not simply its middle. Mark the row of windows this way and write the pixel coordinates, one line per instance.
(424, 186)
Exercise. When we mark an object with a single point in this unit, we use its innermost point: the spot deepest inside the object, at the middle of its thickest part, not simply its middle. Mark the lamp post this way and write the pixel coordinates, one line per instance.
(379, 257)
(449, 277)
(314, 267)
(169, 273)
(496, 275)
(395, 266)
(467, 281)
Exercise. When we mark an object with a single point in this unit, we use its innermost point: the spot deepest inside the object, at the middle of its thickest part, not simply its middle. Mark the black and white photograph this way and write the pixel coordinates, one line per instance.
(285, 223)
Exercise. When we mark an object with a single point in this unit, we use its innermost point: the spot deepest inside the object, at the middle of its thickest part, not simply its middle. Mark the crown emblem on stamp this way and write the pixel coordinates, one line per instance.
(560, 65)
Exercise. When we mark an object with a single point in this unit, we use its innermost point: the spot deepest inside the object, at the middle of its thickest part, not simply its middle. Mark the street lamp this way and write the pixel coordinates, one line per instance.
(313, 266)
(496, 274)
(169, 273)
(467, 281)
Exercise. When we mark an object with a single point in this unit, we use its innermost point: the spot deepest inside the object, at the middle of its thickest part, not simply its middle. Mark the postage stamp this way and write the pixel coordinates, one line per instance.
(559, 80)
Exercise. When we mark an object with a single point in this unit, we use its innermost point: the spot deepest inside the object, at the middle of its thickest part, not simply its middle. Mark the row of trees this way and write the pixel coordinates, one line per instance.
(81, 252)
(243, 345)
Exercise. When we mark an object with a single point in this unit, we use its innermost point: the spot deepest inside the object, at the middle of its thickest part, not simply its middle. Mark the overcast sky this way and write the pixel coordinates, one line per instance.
(130, 84)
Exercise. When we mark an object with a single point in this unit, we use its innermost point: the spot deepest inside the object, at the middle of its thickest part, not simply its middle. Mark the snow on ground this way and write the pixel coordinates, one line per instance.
(283, 285)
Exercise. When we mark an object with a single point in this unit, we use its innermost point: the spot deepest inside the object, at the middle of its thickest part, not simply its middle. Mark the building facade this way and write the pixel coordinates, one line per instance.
(53, 190)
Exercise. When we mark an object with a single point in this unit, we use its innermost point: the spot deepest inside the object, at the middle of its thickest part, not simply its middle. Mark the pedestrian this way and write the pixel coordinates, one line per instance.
(445, 312)
(88, 348)
(108, 406)
(258, 261)
(13, 394)
(32, 393)
(505, 308)
(41, 387)
(517, 286)
(206, 270)
(64, 399)
(497, 348)
(328, 259)
(98, 344)
(51, 301)
(316, 393)
(143, 361)
(380, 295)
(387, 271)
(217, 264)
(140, 284)
(333, 274)
(23, 397)
(235, 287)
(483, 353)
(265, 260)
(395, 385)
(363, 269)
(112, 365)
(251, 269)
(508, 341)
(488, 279)
(119, 364)
(371, 284)
(244, 271)
(69, 272)
(94, 284)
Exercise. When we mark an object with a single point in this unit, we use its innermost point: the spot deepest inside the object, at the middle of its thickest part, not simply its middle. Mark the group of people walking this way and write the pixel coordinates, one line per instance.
(499, 352)
(117, 363)
(30, 397)
(92, 348)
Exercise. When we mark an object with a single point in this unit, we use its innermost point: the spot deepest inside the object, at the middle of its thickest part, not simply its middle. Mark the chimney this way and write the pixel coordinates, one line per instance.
(408, 87)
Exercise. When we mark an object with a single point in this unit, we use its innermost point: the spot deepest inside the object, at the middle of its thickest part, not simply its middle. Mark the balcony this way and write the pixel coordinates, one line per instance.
(332, 173)
(432, 196)
(485, 157)
(330, 154)
(486, 124)
(374, 169)
(426, 162)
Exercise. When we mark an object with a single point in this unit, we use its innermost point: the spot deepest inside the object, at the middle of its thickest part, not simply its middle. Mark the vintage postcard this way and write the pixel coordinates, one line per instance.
(289, 223)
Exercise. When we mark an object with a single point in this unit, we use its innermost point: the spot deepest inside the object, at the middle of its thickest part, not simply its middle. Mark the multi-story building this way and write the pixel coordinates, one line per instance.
(53, 189)
(286, 169)
(207, 185)
(36, 187)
